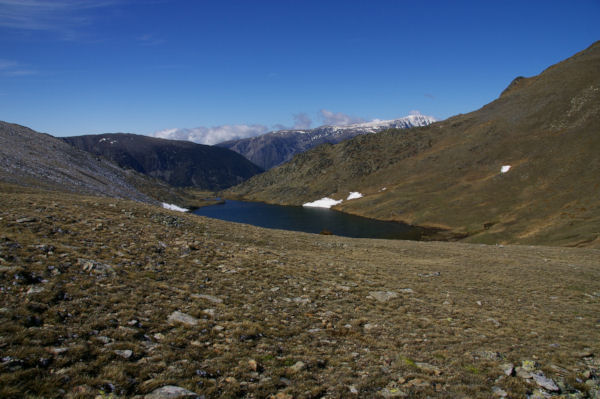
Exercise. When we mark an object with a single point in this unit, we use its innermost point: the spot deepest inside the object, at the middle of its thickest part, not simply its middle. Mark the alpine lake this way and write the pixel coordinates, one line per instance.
(309, 220)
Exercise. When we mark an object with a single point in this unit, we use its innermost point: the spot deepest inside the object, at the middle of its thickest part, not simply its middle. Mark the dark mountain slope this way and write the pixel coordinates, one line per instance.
(272, 149)
(448, 174)
(32, 159)
(179, 163)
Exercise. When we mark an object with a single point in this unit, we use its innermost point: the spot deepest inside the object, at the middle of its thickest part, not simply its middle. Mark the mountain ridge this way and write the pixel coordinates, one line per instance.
(32, 159)
(179, 163)
(274, 148)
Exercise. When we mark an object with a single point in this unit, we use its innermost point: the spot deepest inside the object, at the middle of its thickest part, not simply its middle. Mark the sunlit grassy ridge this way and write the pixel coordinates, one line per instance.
(450, 174)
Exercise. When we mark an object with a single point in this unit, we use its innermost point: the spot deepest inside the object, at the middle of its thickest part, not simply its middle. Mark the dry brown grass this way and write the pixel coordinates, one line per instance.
(286, 297)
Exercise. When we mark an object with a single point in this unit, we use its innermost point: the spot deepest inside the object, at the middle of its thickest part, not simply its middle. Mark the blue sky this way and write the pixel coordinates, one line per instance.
(70, 67)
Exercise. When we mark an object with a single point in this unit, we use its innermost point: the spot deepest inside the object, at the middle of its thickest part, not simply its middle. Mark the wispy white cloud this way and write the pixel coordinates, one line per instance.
(302, 121)
(60, 16)
(212, 135)
(149, 39)
(6, 64)
(13, 68)
(338, 118)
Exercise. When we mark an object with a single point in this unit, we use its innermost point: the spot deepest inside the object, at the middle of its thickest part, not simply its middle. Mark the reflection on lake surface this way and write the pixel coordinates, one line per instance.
(309, 220)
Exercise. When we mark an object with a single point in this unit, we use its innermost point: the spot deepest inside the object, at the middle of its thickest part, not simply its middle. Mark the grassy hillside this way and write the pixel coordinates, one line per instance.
(90, 287)
(449, 175)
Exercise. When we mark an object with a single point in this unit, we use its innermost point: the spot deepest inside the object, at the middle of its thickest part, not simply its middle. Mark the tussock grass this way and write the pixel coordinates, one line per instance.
(285, 298)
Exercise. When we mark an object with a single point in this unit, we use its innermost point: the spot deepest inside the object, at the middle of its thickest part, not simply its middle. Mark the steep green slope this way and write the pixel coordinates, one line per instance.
(449, 175)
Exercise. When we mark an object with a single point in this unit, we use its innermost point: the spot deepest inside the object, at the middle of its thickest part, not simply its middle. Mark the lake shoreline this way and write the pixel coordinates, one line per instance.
(316, 220)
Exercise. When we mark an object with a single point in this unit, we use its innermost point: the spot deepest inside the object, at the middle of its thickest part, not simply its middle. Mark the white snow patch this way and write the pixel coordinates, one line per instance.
(505, 168)
(173, 207)
(354, 195)
(383, 189)
(325, 202)
(109, 141)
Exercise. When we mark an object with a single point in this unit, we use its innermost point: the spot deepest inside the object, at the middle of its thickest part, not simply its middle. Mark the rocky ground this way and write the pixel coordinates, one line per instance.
(113, 298)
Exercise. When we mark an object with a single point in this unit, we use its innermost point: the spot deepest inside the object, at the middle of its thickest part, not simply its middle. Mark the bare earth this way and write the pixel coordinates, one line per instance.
(89, 288)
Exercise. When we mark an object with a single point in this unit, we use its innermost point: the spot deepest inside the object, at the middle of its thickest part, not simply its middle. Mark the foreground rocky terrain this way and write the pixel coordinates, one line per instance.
(103, 297)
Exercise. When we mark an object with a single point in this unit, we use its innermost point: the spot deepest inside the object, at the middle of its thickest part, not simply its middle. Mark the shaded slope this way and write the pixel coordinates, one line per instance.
(448, 174)
(29, 158)
(272, 149)
(179, 163)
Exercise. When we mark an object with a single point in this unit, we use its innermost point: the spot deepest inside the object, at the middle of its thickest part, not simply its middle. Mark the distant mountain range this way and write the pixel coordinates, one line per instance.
(524, 168)
(179, 163)
(274, 148)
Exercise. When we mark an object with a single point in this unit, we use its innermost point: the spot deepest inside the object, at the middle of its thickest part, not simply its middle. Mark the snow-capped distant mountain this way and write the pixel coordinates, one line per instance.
(274, 148)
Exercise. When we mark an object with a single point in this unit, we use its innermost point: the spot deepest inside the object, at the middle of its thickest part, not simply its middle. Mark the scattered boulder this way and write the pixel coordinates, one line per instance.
(486, 354)
(209, 298)
(431, 274)
(587, 352)
(301, 300)
(383, 296)
(172, 392)
(392, 393)
(26, 220)
(125, 354)
(298, 366)
(528, 365)
(545, 382)
(429, 368)
(508, 368)
(58, 351)
(95, 267)
(254, 365)
(35, 290)
(183, 318)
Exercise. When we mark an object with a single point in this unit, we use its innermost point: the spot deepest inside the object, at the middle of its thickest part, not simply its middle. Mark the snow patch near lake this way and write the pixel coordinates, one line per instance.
(505, 169)
(354, 195)
(325, 202)
(173, 207)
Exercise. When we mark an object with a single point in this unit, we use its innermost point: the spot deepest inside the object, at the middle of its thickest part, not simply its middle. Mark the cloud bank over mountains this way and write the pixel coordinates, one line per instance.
(218, 134)
(212, 135)
(339, 118)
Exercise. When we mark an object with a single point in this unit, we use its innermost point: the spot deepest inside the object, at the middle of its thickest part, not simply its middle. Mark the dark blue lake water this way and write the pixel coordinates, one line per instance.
(309, 220)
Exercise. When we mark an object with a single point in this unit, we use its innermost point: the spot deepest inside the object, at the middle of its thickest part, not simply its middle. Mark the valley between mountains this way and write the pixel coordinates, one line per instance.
(105, 293)
(544, 130)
